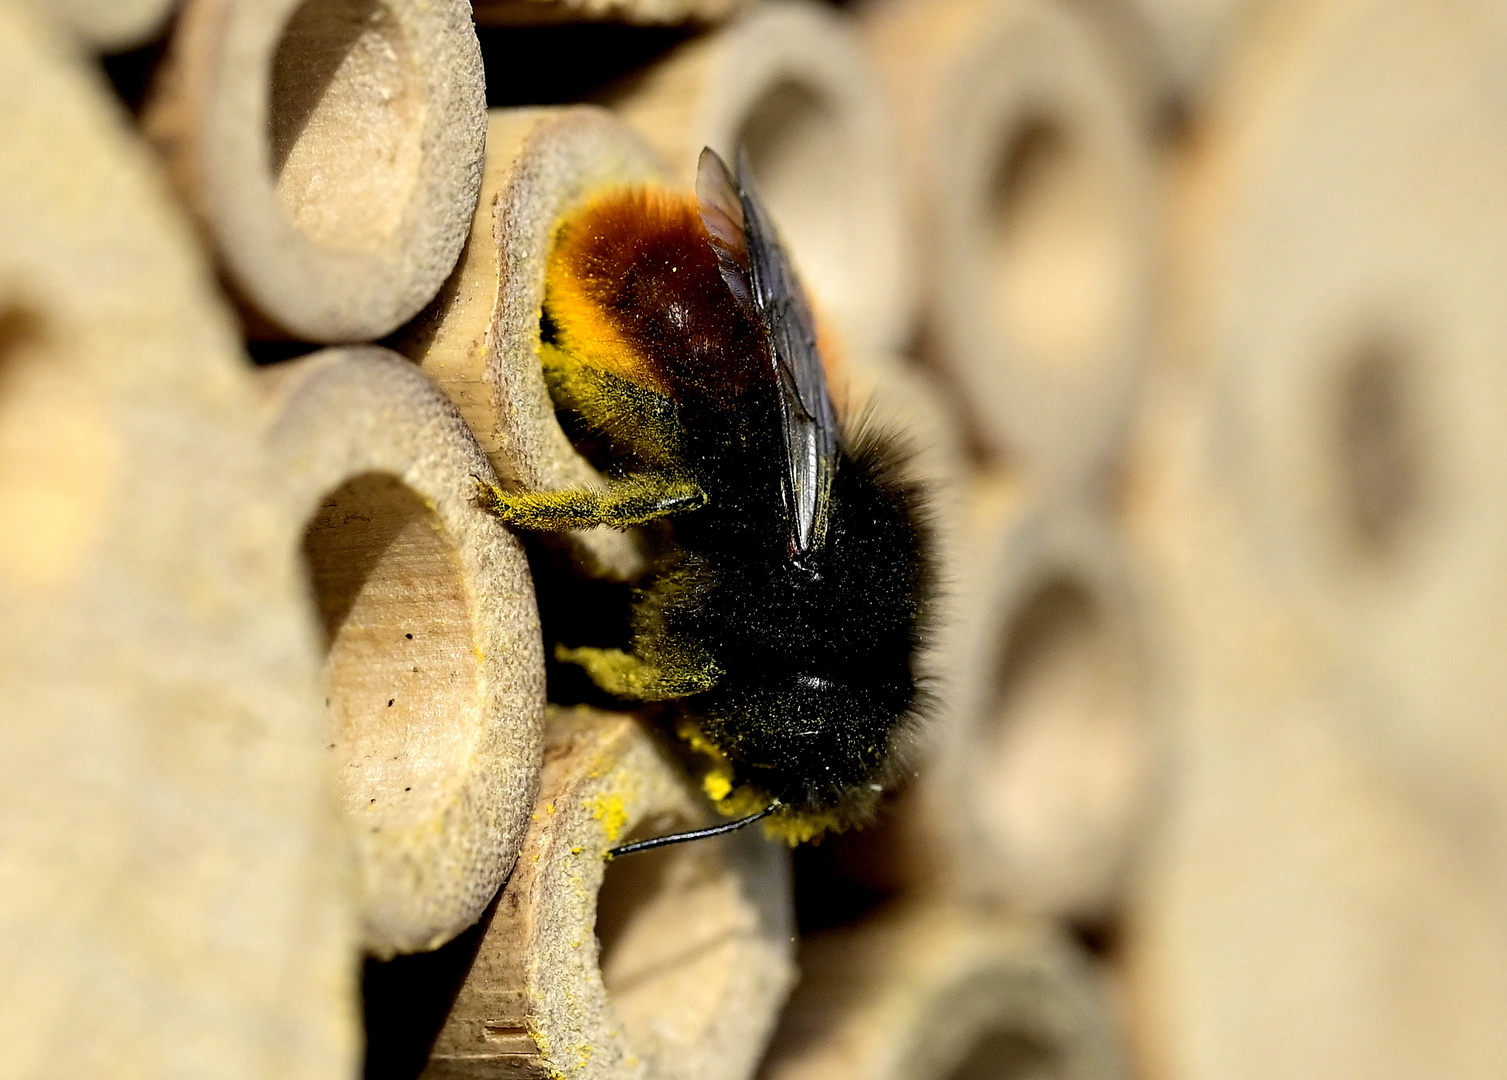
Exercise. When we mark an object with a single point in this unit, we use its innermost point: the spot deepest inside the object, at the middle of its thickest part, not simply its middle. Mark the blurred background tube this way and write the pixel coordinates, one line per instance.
(1029, 183)
(1320, 484)
(941, 993)
(174, 887)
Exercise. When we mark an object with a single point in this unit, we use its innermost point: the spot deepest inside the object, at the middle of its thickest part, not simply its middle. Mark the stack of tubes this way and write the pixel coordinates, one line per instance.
(284, 795)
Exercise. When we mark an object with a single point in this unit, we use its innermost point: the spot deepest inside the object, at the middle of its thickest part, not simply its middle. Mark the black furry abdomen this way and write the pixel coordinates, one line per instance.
(818, 686)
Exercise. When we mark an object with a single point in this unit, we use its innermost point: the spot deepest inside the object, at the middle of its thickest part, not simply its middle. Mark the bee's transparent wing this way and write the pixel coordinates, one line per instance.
(748, 245)
(722, 214)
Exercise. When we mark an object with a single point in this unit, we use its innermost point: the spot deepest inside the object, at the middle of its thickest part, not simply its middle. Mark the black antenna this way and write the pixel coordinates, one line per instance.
(695, 834)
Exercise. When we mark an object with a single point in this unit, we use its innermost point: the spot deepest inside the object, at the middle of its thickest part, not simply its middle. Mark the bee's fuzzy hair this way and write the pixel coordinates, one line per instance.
(888, 455)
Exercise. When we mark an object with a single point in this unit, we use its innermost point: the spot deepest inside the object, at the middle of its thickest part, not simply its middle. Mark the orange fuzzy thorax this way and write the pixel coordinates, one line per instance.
(626, 262)
(605, 256)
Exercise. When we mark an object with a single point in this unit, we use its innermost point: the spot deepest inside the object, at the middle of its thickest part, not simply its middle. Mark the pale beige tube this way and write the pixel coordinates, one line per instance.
(1047, 743)
(933, 993)
(1341, 302)
(174, 893)
(434, 668)
(1342, 808)
(1030, 186)
(110, 25)
(789, 83)
(331, 150)
(669, 963)
(1187, 47)
(479, 340)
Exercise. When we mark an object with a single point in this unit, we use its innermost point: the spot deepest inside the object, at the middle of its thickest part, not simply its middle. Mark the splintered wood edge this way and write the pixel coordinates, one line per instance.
(479, 340)
(1062, 573)
(970, 83)
(292, 237)
(345, 414)
(791, 81)
(535, 1003)
(178, 898)
(921, 992)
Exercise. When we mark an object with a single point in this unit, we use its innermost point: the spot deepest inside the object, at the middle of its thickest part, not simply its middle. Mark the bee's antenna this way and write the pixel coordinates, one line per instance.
(695, 834)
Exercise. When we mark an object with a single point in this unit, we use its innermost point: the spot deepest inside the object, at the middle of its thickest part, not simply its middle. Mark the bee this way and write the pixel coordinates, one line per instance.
(784, 619)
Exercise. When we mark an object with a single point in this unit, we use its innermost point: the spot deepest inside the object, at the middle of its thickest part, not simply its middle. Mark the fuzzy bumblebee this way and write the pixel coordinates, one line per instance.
(784, 619)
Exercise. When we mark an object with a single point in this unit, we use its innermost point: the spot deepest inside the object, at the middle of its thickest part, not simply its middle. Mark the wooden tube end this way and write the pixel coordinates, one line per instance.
(1047, 751)
(479, 340)
(670, 963)
(330, 150)
(176, 894)
(943, 994)
(434, 669)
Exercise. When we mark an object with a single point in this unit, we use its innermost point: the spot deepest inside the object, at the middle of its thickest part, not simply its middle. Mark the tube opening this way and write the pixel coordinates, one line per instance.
(799, 153)
(997, 1054)
(1060, 763)
(401, 671)
(1379, 449)
(1057, 256)
(346, 119)
(669, 923)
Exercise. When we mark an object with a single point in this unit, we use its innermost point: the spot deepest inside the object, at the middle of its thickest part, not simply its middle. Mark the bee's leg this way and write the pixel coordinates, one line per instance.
(624, 675)
(634, 417)
(626, 503)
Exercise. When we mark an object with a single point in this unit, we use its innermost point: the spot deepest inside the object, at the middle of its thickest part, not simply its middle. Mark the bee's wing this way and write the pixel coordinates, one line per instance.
(722, 214)
(748, 248)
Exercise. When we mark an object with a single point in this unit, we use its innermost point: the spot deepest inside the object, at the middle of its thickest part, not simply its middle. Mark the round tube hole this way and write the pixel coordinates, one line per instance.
(1061, 766)
(1381, 472)
(346, 118)
(1009, 1055)
(669, 923)
(1056, 260)
(401, 676)
(798, 153)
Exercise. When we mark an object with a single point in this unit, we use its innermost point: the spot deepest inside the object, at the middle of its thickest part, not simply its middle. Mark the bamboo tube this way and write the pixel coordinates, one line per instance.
(111, 25)
(479, 340)
(1349, 326)
(330, 149)
(1191, 43)
(669, 964)
(1338, 588)
(434, 669)
(1293, 866)
(935, 993)
(1030, 187)
(1037, 787)
(788, 83)
(174, 896)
